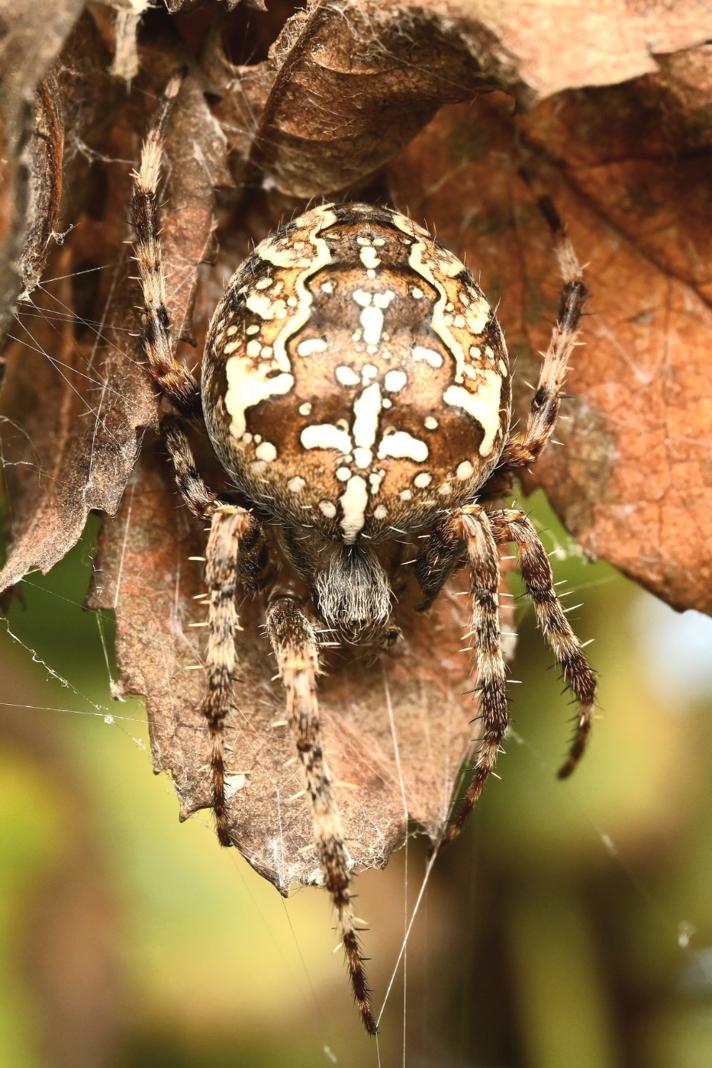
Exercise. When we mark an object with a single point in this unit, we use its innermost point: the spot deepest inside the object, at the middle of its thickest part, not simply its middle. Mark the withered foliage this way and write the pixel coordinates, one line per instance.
(438, 107)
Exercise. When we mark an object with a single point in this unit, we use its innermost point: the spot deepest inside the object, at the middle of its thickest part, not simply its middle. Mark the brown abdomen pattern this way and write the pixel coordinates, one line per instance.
(355, 378)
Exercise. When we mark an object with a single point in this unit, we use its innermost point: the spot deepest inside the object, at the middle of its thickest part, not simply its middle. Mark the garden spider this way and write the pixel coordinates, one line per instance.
(356, 389)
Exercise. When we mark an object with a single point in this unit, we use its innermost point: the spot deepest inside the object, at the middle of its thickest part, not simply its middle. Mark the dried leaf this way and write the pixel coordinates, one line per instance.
(76, 414)
(632, 481)
(32, 136)
(345, 86)
(554, 46)
(45, 152)
(348, 84)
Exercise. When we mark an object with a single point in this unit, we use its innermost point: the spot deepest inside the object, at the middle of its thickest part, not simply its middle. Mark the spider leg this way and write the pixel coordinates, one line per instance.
(440, 556)
(198, 496)
(524, 449)
(228, 526)
(470, 525)
(173, 380)
(511, 525)
(234, 555)
(295, 646)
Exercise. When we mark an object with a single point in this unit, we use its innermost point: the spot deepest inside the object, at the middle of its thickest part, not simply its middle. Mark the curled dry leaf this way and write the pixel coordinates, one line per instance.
(77, 397)
(344, 88)
(346, 85)
(628, 167)
(551, 47)
(31, 142)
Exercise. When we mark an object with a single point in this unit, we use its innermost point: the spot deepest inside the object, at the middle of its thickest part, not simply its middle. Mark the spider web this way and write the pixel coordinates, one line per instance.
(152, 541)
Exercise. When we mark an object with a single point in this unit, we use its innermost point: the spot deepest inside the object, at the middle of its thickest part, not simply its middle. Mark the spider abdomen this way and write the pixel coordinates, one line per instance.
(355, 378)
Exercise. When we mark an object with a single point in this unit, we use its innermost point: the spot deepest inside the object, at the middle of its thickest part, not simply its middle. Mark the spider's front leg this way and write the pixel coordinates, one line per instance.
(522, 450)
(295, 646)
(481, 530)
(470, 526)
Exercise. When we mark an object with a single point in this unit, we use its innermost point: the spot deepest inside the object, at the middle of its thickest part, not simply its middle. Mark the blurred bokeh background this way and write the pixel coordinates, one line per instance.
(571, 924)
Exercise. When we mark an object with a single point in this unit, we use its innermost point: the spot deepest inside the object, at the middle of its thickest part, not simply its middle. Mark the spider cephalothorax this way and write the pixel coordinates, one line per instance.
(356, 388)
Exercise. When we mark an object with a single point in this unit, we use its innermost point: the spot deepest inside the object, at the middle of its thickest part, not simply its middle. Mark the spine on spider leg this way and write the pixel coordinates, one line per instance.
(228, 526)
(295, 646)
(491, 686)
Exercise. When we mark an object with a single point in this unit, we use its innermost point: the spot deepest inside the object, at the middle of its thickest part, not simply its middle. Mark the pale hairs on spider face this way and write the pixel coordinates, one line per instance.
(353, 592)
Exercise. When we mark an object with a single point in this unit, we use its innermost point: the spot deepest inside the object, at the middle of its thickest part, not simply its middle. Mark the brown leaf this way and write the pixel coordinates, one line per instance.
(632, 481)
(347, 85)
(75, 407)
(32, 141)
(553, 46)
(147, 579)
(344, 87)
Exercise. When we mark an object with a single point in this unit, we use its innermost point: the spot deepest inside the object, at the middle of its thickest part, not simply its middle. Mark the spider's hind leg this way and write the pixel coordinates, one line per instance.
(295, 645)
(512, 525)
(234, 556)
(229, 526)
(469, 527)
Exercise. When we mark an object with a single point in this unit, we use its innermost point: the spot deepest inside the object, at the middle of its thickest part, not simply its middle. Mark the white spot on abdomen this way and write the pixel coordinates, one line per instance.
(372, 325)
(326, 436)
(310, 345)
(373, 305)
(395, 380)
(369, 257)
(353, 503)
(367, 409)
(266, 451)
(248, 386)
(346, 376)
(483, 405)
(402, 445)
(261, 305)
(420, 352)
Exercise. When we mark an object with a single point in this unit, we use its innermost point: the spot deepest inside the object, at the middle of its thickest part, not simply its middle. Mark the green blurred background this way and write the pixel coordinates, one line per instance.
(571, 925)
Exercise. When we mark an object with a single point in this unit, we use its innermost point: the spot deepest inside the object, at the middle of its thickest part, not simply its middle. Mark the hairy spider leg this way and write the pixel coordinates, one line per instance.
(173, 380)
(233, 554)
(228, 525)
(295, 646)
(471, 525)
(512, 525)
(227, 528)
(524, 449)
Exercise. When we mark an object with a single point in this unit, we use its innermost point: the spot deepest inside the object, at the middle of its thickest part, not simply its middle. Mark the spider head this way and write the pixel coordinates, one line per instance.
(355, 383)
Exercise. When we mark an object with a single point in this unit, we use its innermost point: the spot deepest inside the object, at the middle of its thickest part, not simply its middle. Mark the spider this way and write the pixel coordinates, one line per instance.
(356, 388)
